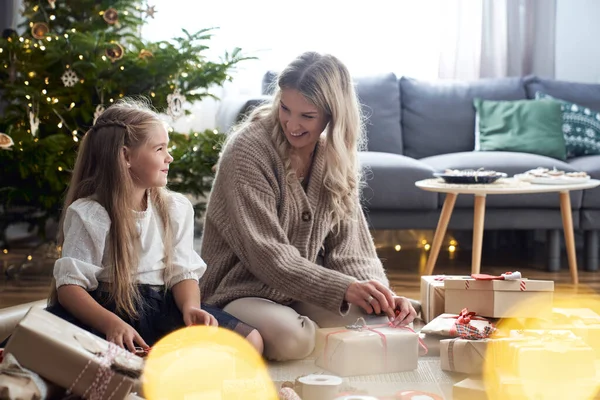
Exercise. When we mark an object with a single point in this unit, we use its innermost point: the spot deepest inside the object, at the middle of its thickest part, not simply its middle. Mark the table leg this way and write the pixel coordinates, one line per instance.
(440, 232)
(478, 220)
(567, 218)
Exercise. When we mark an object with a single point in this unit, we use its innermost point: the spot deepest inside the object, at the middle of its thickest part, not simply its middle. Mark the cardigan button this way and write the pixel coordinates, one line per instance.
(306, 216)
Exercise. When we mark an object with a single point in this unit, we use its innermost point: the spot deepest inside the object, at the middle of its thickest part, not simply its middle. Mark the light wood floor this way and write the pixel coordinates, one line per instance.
(403, 268)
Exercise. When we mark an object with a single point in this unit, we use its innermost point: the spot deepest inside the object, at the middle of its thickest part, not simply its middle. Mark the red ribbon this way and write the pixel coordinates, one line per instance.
(464, 319)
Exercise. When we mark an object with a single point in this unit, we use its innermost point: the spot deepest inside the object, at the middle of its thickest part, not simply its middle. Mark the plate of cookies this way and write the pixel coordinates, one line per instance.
(470, 176)
(546, 176)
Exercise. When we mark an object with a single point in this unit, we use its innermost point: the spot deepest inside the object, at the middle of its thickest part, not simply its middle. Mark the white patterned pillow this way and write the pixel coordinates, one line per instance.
(581, 127)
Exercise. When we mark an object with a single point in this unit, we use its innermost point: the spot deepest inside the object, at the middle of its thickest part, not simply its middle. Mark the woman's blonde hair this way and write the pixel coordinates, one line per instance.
(326, 83)
(101, 173)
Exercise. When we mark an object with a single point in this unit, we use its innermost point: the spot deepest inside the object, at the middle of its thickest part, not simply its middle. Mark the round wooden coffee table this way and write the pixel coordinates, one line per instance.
(503, 186)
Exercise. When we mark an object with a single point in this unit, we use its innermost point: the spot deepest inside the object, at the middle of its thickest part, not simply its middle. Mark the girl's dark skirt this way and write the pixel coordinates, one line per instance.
(158, 315)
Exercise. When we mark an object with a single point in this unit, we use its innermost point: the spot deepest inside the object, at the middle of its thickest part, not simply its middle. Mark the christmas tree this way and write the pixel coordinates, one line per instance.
(69, 60)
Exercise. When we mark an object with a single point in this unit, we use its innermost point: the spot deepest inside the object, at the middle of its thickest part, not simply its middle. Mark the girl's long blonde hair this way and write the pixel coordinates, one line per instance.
(101, 173)
(326, 83)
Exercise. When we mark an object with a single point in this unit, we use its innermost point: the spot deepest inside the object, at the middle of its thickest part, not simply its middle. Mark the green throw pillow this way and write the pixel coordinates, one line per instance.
(524, 126)
(580, 126)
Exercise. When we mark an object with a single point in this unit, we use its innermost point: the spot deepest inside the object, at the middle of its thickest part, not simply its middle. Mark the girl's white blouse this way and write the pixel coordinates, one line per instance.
(85, 255)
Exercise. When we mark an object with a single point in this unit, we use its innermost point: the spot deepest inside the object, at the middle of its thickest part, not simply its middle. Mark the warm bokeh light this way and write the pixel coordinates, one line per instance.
(202, 362)
(554, 356)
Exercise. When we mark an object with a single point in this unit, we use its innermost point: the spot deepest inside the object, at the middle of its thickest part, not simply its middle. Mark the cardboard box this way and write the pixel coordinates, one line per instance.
(373, 350)
(521, 298)
(464, 356)
(72, 357)
(432, 295)
(583, 322)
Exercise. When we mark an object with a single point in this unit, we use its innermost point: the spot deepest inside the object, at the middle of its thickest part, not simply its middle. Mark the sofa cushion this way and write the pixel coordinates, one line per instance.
(438, 117)
(591, 165)
(390, 180)
(510, 163)
(380, 105)
(580, 126)
(525, 126)
(586, 94)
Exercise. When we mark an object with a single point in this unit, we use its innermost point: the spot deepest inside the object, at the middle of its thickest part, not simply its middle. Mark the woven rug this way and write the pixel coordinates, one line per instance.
(428, 377)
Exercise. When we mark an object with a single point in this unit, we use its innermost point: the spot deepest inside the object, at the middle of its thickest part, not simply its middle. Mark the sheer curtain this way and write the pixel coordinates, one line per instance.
(401, 36)
(496, 38)
(426, 39)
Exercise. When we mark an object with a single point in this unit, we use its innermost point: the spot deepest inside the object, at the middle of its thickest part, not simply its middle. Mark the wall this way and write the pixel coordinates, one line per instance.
(577, 46)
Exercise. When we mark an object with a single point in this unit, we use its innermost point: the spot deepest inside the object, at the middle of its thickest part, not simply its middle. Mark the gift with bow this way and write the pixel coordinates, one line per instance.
(504, 296)
(468, 322)
(68, 356)
(362, 349)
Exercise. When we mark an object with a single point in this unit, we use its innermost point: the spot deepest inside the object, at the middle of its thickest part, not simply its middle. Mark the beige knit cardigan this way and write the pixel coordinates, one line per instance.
(262, 236)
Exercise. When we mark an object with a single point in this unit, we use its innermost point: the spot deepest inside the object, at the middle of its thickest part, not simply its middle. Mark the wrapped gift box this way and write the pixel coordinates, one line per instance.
(432, 295)
(469, 389)
(462, 355)
(520, 298)
(72, 357)
(583, 322)
(375, 349)
(445, 325)
(544, 354)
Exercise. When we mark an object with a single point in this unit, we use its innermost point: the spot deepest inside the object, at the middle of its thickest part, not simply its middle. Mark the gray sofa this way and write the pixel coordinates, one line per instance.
(417, 127)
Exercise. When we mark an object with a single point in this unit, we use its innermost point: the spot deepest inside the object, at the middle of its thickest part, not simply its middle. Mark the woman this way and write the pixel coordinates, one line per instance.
(286, 241)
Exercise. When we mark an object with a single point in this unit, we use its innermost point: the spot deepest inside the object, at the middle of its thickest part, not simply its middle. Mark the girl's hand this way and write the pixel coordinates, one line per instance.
(123, 335)
(197, 316)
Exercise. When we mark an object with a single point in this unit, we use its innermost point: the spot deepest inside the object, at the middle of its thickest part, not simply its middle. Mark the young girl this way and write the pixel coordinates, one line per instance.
(128, 270)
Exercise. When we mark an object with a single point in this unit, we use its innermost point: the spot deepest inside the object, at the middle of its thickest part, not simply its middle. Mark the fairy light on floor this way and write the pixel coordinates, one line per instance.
(552, 356)
(201, 362)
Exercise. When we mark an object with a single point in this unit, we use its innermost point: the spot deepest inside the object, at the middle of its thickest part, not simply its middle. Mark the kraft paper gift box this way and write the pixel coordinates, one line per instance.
(583, 322)
(375, 349)
(463, 355)
(522, 298)
(73, 358)
(469, 389)
(543, 355)
(432, 295)
(445, 324)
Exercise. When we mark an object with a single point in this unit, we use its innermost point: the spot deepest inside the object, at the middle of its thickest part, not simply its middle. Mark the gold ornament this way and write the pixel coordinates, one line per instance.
(52, 4)
(150, 11)
(115, 52)
(39, 30)
(144, 54)
(6, 141)
(111, 16)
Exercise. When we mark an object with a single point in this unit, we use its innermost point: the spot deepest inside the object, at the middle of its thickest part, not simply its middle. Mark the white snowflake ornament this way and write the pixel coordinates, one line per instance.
(69, 78)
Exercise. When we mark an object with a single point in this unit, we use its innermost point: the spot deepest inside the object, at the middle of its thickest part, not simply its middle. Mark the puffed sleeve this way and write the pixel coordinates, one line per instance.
(186, 262)
(86, 228)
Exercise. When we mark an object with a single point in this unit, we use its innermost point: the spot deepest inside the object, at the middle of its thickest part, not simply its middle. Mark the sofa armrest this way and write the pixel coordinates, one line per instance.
(11, 316)
(234, 108)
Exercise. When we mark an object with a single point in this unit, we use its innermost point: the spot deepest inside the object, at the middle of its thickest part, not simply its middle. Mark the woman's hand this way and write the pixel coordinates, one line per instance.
(371, 296)
(123, 335)
(197, 316)
(405, 312)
